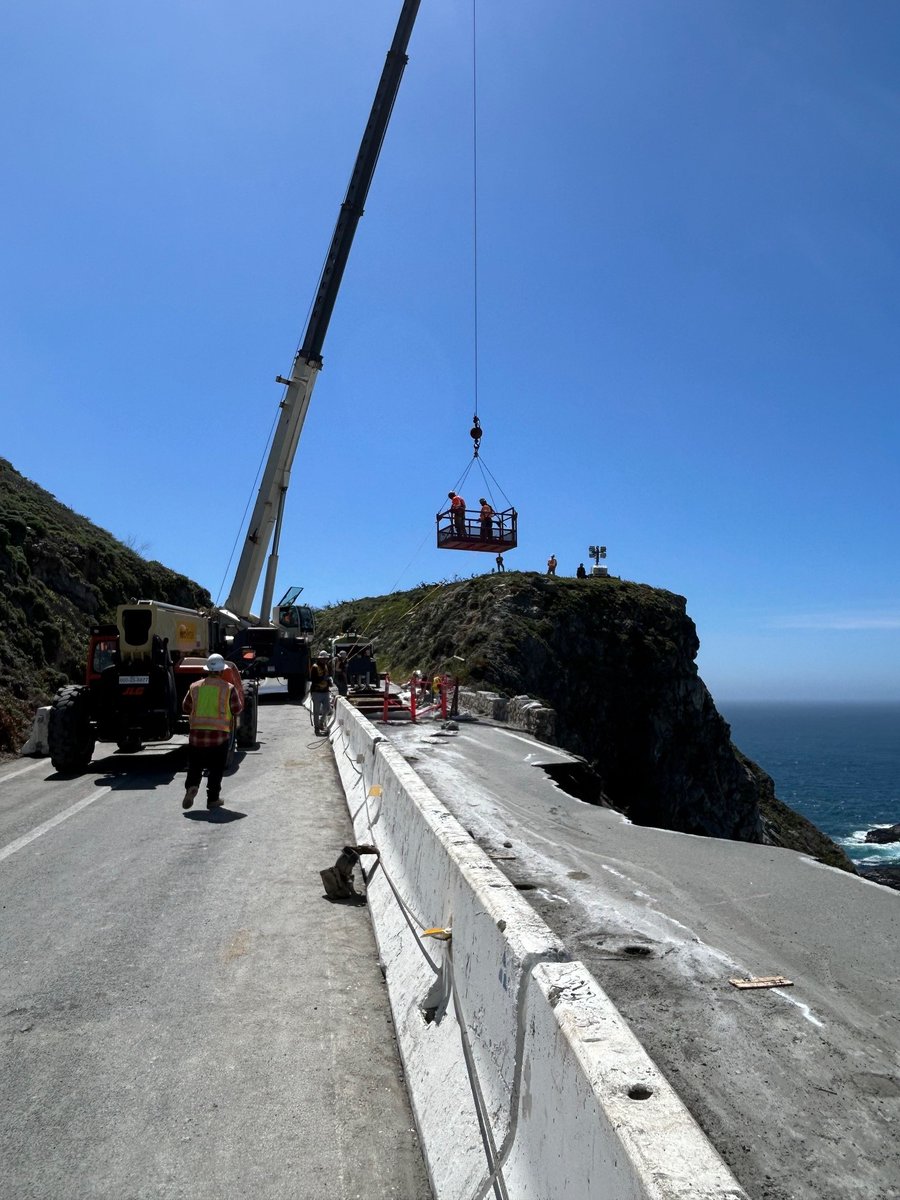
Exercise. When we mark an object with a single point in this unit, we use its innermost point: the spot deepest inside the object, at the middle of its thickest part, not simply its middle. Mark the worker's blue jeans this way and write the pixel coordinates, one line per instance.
(321, 703)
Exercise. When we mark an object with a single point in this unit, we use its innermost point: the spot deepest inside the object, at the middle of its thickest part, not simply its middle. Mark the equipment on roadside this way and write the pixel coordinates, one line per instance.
(596, 553)
(139, 669)
(338, 880)
(138, 673)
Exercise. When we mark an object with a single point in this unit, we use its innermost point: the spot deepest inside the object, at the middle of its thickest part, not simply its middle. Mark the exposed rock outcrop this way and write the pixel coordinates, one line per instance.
(60, 574)
(882, 836)
(615, 662)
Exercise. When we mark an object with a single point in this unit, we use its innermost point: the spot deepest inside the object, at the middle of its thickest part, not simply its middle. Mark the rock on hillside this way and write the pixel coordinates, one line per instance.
(616, 661)
(60, 574)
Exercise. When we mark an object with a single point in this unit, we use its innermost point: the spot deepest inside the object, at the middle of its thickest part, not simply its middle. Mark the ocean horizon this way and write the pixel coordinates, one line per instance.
(837, 763)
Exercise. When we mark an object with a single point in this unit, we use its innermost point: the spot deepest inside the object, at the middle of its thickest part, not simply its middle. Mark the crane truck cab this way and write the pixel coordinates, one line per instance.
(280, 649)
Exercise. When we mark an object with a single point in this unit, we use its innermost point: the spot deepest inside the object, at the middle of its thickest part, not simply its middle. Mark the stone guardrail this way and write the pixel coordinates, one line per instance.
(522, 712)
(519, 1068)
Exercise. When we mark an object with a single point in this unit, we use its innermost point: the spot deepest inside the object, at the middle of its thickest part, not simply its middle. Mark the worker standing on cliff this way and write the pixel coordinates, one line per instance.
(212, 703)
(551, 565)
(581, 573)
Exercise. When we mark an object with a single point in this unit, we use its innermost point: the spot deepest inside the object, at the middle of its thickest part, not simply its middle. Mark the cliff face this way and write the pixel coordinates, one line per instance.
(60, 574)
(616, 661)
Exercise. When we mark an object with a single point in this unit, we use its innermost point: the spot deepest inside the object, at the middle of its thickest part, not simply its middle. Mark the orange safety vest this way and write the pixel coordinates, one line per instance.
(457, 502)
(211, 705)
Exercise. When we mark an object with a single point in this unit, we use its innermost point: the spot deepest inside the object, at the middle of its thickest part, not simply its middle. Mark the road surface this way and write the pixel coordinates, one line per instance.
(799, 1088)
(182, 1012)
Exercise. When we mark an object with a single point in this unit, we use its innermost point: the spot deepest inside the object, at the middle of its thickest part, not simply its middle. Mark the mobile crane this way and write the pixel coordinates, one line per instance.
(140, 668)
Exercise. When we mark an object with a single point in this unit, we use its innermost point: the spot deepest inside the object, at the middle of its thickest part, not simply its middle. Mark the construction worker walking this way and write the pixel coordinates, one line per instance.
(320, 682)
(212, 703)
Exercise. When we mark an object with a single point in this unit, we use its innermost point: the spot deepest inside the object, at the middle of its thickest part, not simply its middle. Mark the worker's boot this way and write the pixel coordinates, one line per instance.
(189, 796)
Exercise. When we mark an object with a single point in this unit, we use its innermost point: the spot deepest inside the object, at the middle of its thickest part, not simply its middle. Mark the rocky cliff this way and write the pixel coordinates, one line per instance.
(60, 574)
(616, 662)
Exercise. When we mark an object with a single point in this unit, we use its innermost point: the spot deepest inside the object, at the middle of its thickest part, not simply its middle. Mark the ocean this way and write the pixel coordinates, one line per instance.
(837, 764)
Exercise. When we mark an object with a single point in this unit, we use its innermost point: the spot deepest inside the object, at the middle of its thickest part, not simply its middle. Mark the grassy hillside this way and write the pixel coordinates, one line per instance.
(60, 574)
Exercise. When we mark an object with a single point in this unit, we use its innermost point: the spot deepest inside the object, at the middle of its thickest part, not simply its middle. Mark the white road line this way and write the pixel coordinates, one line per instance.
(40, 830)
(21, 771)
(542, 746)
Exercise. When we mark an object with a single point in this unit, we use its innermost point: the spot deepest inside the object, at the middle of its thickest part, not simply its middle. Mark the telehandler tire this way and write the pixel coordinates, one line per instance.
(296, 687)
(70, 735)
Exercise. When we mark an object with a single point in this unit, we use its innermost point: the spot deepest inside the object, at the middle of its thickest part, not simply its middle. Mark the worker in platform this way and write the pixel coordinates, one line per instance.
(457, 513)
(486, 517)
(320, 682)
(212, 704)
(581, 573)
(551, 565)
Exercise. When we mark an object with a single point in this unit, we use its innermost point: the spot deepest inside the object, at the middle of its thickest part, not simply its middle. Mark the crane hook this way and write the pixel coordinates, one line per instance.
(475, 433)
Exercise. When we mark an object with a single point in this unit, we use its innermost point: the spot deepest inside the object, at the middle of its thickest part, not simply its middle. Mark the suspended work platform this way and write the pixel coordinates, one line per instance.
(465, 532)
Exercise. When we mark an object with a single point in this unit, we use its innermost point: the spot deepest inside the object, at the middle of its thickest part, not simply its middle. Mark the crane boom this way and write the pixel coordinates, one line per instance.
(308, 361)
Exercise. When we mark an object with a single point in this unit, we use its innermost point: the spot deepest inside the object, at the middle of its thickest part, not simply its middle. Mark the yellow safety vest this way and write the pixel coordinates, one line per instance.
(211, 705)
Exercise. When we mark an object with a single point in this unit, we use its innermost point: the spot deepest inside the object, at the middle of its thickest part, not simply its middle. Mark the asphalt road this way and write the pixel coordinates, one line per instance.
(798, 1088)
(182, 1012)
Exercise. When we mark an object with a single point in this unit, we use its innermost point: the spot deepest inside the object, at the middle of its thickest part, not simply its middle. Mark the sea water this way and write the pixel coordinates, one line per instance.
(837, 764)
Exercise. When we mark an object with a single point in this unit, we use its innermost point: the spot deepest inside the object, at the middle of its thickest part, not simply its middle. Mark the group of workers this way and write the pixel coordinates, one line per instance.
(486, 530)
(580, 572)
(458, 517)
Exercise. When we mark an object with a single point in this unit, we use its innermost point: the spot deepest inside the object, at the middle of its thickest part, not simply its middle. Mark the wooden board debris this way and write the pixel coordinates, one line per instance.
(762, 981)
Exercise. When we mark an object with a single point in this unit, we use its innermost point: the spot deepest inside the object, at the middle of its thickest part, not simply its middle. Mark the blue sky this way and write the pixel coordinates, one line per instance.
(687, 303)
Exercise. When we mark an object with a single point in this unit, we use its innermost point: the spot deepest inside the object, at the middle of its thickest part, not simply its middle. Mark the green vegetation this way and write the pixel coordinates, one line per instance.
(60, 574)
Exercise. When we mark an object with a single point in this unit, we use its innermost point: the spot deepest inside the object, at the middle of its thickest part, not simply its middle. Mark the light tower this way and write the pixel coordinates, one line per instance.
(596, 553)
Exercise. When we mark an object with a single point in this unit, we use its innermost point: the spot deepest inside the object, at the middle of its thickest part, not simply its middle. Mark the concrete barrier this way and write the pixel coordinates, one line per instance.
(37, 744)
(515, 1058)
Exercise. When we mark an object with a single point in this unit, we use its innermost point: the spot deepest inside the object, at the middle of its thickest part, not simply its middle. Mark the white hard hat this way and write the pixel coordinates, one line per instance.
(323, 654)
(215, 663)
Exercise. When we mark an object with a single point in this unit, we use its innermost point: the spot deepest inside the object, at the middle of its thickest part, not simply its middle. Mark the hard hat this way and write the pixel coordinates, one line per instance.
(215, 663)
(323, 654)
(342, 653)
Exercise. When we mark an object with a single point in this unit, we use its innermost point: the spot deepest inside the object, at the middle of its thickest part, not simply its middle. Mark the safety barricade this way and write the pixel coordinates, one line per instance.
(524, 1079)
